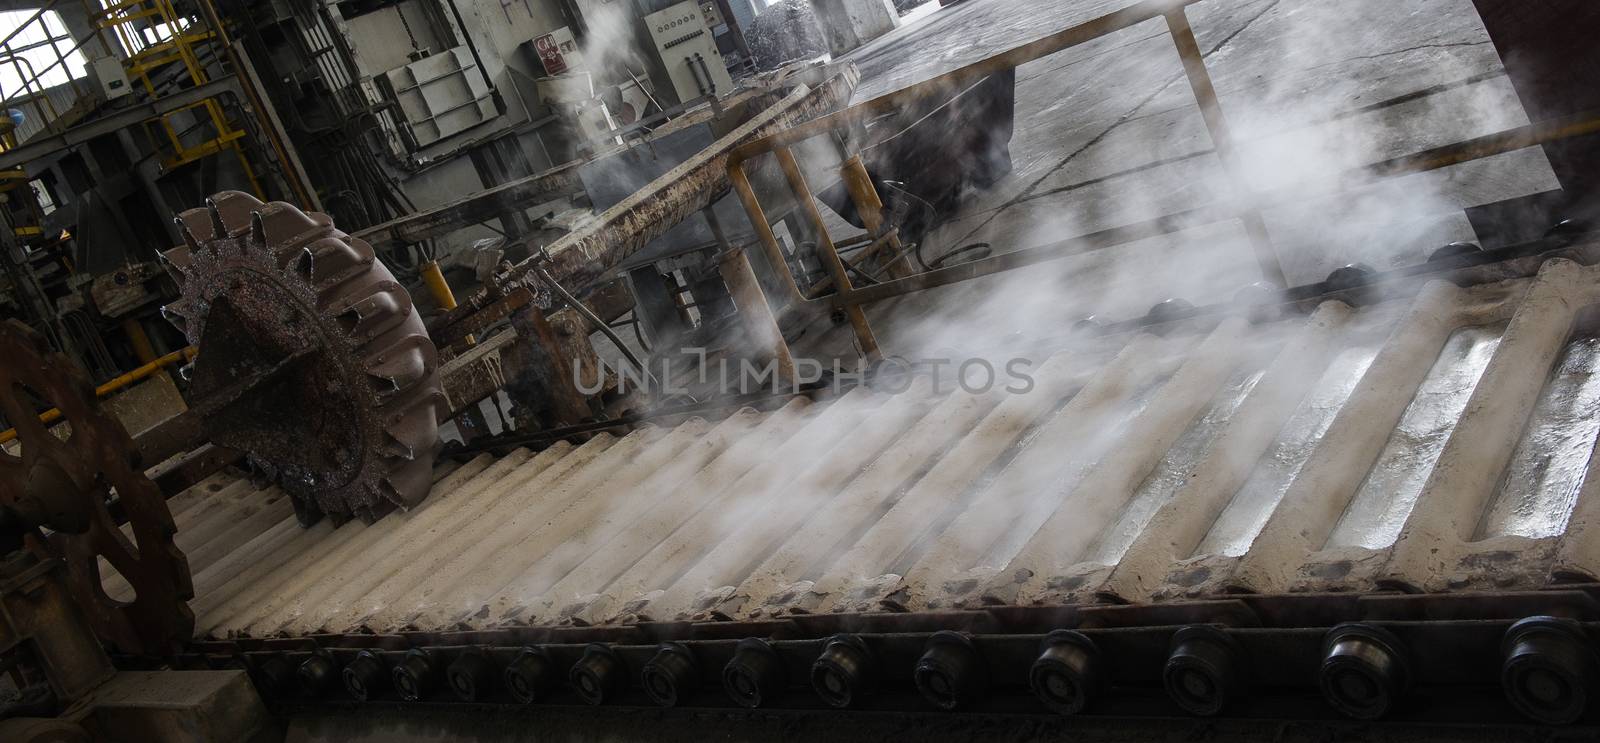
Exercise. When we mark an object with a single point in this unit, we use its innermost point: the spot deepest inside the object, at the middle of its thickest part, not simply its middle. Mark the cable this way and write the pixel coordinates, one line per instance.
(932, 215)
(977, 247)
(638, 332)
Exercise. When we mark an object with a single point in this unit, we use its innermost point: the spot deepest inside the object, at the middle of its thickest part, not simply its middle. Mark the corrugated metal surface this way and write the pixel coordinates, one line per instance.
(1437, 442)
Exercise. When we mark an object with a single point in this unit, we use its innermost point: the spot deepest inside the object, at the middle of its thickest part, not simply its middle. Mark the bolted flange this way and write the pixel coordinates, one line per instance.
(1355, 280)
(1170, 310)
(1263, 300)
(1549, 669)
(1200, 673)
(950, 673)
(273, 675)
(671, 677)
(1364, 670)
(365, 677)
(756, 675)
(845, 672)
(317, 674)
(531, 675)
(599, 675)
(471, 676)
(415, 676)
(1067, 676)
(1566, 231)
(1454, 250)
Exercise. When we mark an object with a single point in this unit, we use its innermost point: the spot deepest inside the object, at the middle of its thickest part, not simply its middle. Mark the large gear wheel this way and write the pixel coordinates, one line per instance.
(59, 488)
(312, 360)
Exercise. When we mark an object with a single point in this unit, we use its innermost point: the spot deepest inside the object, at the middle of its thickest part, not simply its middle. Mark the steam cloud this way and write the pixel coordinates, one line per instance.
(1108, 135)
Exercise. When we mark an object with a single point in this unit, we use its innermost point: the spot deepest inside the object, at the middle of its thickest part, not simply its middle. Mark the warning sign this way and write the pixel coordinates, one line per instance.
(549, 49)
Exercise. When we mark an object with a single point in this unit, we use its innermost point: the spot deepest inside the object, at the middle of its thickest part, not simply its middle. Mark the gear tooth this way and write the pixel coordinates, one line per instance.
(235, 208)
(407, 486)
(304, 263)
(399, 368)
(397, 449)
(177, 314)
(412, 426)
(333, 261)
(188, 235)
(258, 230)
(409, 442)
(219, 230)
(176, 261)
(386, 308)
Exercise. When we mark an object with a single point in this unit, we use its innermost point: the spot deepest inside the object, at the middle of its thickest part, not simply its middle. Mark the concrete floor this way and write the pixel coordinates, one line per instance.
(1108, 133)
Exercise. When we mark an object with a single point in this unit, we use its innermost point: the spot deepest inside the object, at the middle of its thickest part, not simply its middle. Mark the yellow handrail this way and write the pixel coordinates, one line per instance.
(144, 372)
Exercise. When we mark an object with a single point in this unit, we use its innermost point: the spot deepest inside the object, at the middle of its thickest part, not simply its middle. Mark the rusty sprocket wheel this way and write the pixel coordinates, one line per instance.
(312, 356)
(60, 488)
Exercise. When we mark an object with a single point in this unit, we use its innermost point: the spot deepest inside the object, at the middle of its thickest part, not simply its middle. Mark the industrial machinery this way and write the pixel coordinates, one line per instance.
(329, 381)
(1365, 506)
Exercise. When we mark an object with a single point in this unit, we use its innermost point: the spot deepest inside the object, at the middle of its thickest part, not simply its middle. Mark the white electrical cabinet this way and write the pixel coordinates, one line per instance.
(688, 48)
(110, 77)
(442, 95)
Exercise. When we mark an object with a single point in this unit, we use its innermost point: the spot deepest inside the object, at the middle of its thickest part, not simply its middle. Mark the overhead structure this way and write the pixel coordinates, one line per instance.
(312, 357)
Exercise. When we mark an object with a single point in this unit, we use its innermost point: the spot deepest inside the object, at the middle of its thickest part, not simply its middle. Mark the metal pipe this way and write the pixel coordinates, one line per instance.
(434, 279)
(437, 286)
(1499, 143)
(27, 85)
(137, 375)
(1440, 157)
(41, 146)
(584, 256)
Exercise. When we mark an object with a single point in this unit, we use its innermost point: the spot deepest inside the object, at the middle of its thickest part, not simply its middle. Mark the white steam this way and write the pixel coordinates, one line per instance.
(1108, 135)
(610, 45)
